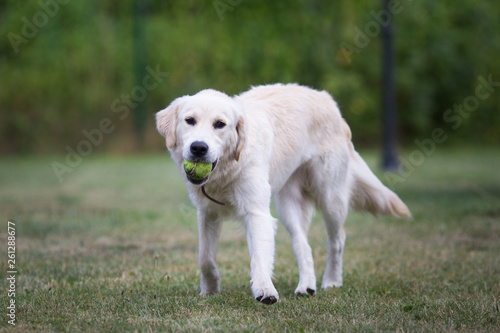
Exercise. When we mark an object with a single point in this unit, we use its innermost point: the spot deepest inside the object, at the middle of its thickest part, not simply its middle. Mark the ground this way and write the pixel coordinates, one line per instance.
(113, 247)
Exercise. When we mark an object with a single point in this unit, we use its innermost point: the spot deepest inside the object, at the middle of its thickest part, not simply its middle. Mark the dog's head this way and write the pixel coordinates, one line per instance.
(206, 127)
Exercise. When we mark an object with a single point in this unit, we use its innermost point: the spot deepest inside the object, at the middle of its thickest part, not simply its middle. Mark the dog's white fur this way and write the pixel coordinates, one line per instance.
(288, 141)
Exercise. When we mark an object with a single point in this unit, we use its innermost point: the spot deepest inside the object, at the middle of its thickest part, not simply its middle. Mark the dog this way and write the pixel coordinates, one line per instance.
(286, 141)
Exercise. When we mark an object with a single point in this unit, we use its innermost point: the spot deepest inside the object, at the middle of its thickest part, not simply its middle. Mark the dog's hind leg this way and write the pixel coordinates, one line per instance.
(331, 189)
(334, 216)
(295, 210)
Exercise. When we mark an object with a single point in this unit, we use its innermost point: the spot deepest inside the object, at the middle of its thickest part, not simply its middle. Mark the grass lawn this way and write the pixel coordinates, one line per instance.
(114, 248)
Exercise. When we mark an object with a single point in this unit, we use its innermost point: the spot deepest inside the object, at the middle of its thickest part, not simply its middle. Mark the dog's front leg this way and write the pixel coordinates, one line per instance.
(209, 228)
(260, 237)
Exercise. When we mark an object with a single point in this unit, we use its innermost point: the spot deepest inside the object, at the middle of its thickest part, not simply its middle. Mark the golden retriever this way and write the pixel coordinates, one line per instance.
(286, 141)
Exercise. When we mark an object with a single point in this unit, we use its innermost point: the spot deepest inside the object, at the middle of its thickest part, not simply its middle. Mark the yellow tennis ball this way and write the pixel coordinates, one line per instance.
(197, 170)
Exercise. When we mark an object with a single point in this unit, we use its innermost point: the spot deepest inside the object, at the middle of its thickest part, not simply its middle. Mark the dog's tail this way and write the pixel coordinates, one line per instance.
(369, 194)
(367, 191)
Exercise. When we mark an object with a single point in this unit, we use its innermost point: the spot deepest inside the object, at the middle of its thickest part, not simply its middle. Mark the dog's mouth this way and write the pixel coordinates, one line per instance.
(200, 181)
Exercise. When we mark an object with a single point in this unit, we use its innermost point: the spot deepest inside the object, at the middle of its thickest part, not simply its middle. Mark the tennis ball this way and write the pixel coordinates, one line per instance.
(197, 170)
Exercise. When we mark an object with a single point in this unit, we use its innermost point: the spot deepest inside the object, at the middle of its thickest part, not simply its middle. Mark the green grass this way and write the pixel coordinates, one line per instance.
(86, 252)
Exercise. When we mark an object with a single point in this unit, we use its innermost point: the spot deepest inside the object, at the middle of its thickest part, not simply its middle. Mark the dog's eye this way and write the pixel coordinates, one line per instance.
(219, 124)
(191, 121)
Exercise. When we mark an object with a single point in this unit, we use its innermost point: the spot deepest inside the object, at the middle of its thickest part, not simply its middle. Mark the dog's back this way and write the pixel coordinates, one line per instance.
(307, 125)
(304, 123)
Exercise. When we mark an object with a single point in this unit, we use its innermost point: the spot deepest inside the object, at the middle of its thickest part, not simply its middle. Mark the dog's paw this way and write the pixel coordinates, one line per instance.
(268, 300)
(331, 279)
(331, 284)
(209, 286)
(307, 286)
(267, 295)
(307, 292)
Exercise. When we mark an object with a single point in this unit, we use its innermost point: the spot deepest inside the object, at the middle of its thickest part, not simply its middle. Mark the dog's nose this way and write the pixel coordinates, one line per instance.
(199, 148)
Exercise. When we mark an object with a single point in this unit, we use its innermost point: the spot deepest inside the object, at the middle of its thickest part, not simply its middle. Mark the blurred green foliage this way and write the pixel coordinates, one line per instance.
(66, 75)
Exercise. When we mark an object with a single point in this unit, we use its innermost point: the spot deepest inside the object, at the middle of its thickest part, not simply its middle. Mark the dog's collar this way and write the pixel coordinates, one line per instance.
(209, 197)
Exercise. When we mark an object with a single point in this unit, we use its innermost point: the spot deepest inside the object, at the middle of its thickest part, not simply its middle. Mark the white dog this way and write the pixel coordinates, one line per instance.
(286, 141)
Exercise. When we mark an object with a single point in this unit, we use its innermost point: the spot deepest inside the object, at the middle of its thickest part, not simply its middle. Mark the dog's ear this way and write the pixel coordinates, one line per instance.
(240, 130)
(166, 122)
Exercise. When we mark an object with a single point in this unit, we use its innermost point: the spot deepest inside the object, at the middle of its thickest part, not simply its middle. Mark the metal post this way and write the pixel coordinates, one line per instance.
(140, 111)
(390, 160)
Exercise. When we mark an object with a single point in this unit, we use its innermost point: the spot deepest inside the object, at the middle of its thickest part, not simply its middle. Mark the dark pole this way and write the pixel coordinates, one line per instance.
(390, 160)
(140, 114)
